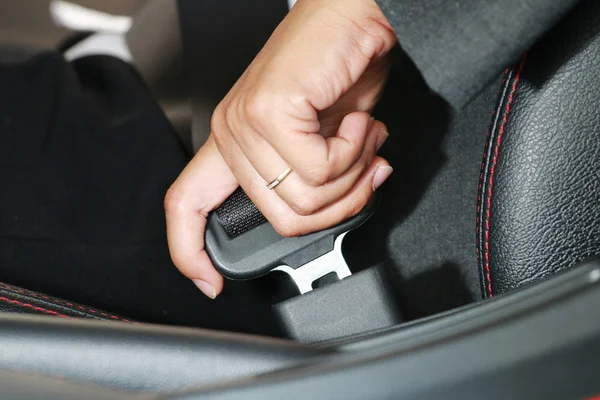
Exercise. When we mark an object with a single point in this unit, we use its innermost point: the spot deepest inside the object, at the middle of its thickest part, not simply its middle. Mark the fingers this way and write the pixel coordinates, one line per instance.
(283, 218)
(319, 160)
(305, 199)
(316, 159)
(350, 205)
(202, 186)
(302, 197)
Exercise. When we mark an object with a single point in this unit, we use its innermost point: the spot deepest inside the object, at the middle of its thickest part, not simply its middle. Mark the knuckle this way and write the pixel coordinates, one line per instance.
(181, 263)
(305, 205)
(356, 205)
(219, 123)
(286, 227)
(186, 265)
(256, 109)
(217, 120)
(225, 124)
(172, 199)
(317, 176)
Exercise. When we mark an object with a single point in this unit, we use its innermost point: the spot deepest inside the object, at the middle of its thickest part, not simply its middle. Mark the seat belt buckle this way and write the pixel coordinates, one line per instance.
(332, 262)
(243, 254)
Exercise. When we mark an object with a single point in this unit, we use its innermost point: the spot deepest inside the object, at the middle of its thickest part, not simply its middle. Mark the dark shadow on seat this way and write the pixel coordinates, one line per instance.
(418, 121)
(441, 289)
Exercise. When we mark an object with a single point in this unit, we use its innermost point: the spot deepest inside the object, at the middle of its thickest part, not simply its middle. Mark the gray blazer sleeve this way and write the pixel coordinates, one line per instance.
(461, 45)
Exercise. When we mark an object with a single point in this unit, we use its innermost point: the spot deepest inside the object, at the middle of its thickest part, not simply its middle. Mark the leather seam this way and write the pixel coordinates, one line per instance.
(492, 173)
(31, 306)
(483, 175)
(64, 304)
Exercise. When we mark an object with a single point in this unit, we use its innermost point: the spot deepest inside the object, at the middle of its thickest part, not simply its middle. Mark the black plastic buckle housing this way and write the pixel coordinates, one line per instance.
(261, 249)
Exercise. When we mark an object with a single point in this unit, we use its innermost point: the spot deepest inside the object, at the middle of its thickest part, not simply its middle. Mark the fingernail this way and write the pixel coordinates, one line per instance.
(206, 288)
(381, 138)
(381, 176)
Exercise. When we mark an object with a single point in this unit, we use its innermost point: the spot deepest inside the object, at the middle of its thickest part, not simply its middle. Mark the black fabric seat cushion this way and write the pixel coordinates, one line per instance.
(538, 210)
(86, 157)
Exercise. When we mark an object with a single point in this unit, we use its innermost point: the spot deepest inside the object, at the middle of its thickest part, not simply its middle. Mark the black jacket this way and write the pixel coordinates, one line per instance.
(461, 45)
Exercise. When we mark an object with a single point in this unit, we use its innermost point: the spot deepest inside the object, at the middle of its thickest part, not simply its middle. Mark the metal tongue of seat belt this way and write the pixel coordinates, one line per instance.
(243, 245)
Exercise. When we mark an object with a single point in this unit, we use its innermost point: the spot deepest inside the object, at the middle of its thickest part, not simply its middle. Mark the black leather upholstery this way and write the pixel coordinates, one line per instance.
(538, 208)
(22, 301)
(139, 356)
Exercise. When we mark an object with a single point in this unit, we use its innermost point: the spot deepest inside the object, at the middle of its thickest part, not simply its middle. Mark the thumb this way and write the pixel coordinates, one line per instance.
(202, 186)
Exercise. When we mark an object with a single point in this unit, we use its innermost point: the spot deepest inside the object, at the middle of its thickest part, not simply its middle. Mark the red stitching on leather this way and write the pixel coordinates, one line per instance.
(58, 302)
(40, 309)
(488, 213)
(480, 186)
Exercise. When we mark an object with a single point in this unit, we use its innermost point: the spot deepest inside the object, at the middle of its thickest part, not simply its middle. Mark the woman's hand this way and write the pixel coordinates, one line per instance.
(304, 103)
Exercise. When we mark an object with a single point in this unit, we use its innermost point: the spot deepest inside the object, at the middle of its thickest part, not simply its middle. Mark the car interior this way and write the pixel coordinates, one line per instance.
(472, 273)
